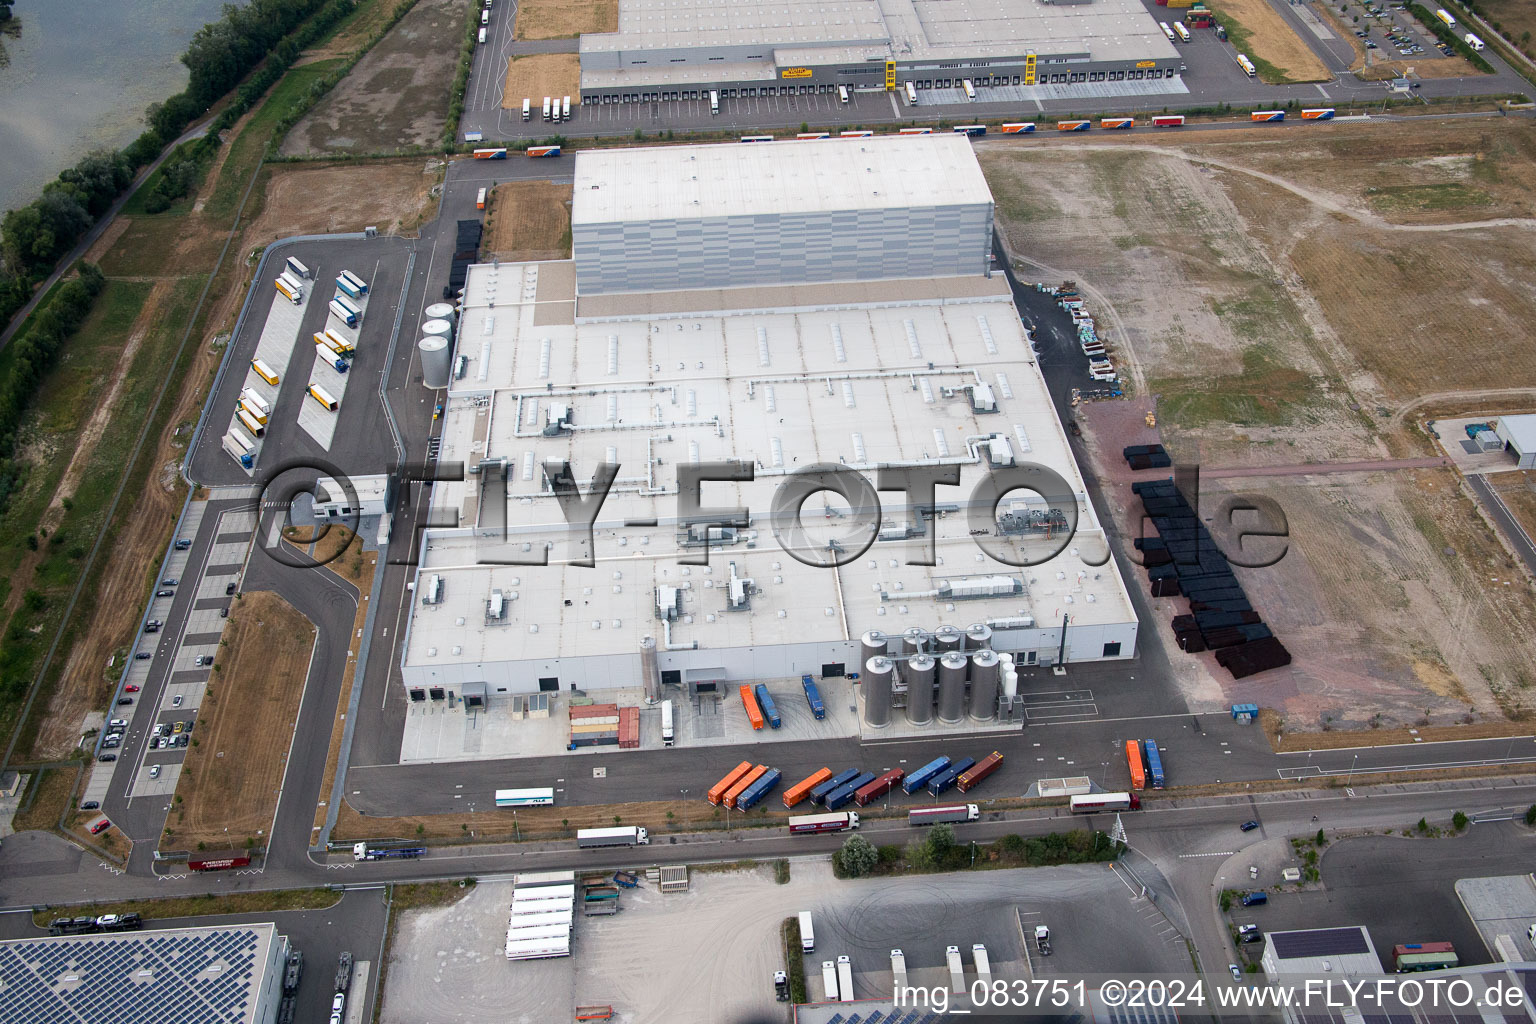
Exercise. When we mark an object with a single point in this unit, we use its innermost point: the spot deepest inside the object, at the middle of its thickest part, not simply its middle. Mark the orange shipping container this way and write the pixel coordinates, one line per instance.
(741, 784)
(1133, 760)
(802, 789)
(749, 701)
(717, 791)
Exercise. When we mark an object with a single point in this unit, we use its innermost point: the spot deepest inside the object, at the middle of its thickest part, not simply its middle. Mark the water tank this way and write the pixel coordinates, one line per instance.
(947, 638)
(986, 670)
(440, 311)
(952, 686)
(878, 675)
(650, 678)
(872, 645)
(978, 636)
(434, 328)
(436, 361)
(918, 671)
(1010, 679)
(913, 640)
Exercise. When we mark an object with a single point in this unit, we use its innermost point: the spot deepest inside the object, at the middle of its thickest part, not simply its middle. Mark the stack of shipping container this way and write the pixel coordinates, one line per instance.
(629, 728)
(594, 725)
(1183, 560)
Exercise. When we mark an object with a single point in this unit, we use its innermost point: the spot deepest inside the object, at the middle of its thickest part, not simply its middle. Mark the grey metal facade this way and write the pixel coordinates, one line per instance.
(772, 249)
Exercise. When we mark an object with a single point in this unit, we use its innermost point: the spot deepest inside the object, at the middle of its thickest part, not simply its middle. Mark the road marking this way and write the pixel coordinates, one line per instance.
(1220, 853)
(1316, 771)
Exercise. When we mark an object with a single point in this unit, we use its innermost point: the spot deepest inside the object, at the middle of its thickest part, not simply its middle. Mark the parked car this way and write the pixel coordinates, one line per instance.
(1255, 899)
(154, 771)
(165, 593)
(131, 688)
(144, 655)
(169, 582)
(177, 727)
(1249, 826)
(182, 544)
(176, 702)
(1237, 972)
(107, 757)
(111, 742)
(124, 701)
(224, 612)
(204, 659)
(91, 805)
(100, 827)
(229, 588)
(152, 627)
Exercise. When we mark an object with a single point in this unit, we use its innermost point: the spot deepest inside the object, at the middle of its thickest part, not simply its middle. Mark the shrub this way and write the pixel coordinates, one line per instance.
(857, 857)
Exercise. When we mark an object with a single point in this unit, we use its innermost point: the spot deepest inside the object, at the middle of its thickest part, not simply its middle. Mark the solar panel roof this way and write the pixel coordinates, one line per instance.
(1319, 942)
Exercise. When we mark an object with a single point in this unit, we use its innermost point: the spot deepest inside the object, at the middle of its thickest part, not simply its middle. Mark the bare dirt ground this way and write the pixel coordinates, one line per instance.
(228, 787)
(350, 39)
(396, 96)
(1284, 297)
(1272, 39)
(562, 19)
(542, 74)
(396, 196)
(528, 220)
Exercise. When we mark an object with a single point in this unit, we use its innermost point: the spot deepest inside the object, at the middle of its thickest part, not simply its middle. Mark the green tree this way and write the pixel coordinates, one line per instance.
(857, 857)
(1530, 815)
(1459, 821)
(940, 841)
(1321, 839)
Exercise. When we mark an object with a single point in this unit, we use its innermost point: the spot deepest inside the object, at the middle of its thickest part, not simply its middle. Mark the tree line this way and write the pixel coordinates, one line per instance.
(221, 54)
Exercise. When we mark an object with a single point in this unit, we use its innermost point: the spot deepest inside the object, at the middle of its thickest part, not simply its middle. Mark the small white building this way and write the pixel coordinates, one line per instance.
(1519, 436)
(369, 497)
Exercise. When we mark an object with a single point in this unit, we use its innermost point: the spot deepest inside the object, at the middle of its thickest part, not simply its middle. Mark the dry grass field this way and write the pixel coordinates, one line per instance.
(1285, 296)
(228, 787)
(528, 220)
(1257, 30)
(538, 75)
(564, 19)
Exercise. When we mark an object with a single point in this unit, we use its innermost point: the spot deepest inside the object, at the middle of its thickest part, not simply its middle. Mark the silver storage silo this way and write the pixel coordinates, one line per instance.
(913, 640)
(441, 328)
(439, 311)
(978, 636)
(872, 645)
(918, 671)
(986, 670)
(650, 678)
(878, 675)
(952, 687)
(436, 362)
(947, 638)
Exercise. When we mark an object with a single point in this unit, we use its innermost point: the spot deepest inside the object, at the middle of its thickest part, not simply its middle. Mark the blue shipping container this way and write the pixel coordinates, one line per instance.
(1154, 765)
(759, 789)
(939, 783)
(819, 794)
(766, 703)
(920, 778)
(347, 287)
(813, 697)
(842, 794)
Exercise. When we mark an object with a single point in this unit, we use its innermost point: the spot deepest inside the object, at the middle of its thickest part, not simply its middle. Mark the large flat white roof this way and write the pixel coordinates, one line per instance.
(904, 30)
(794, 176)
(857, 385)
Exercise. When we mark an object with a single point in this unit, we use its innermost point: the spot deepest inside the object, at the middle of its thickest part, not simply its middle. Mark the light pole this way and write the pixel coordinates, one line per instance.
(515, 830)
(1350, 777)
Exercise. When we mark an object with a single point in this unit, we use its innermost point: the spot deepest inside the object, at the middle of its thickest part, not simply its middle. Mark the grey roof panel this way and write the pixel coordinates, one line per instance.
(1319, 942)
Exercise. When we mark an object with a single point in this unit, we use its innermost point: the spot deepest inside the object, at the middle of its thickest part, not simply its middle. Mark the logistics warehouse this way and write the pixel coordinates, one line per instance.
(687, 48)
(858, 327)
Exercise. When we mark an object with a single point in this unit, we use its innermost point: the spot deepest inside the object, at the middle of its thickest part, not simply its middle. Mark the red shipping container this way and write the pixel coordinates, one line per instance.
(594, 711)
(877, 789)
(986, 766)
(629, 728)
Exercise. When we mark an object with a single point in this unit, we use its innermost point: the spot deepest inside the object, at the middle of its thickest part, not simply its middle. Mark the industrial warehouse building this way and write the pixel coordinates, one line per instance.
(927, 372)
(682, 49)
(223, 975)
(673, 218)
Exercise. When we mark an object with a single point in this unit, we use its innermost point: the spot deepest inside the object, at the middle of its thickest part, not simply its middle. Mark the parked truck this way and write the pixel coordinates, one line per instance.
(808, 823)
(667, 734)
(749, 704)
(1043, 940)
(844, 793)
(878, 788)
(331, 357)
(845, 979)
(361, 851)
(935, 815)
(240, 447)
(819, 792)
(956, 970)
(294, 296)
(899, 971)
(762, 787)
(813, 697)
(983, 965)
(343, 314)
(629, 835)
(765, 702)
(829, 980)
(1154, 766)
(918, 779)
(986, 766)
(943, 780)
